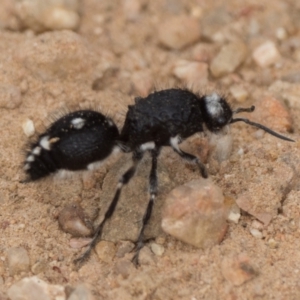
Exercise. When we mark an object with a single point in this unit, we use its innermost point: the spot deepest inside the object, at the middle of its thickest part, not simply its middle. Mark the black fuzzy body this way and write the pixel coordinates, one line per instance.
(160, 116)
(73, 148)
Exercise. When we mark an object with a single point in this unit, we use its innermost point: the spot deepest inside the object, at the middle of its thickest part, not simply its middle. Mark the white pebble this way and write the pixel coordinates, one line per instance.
(157, 249)
(256, 233)
(234, 216)
(266, 54)
(239, 93)
(28, 127)
(59, 18)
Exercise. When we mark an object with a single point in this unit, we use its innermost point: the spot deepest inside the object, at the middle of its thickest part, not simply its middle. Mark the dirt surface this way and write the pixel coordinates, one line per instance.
(117, 53)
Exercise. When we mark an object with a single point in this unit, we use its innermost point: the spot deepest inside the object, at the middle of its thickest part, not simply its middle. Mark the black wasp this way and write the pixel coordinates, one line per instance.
(164, 118)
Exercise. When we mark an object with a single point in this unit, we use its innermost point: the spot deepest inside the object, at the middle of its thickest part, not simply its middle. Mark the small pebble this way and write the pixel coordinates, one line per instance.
(237, 269)
(234, 216)
(266, 54)
(48, 15)
(195, 213)
(230, 57)
(239, 93)
(287, 91)
(73, 220)
(39, 267)
(194, 74)
(28, 127)
(244, 202)
(17, 260)
(146, 257)
(58, 18)
(124, 268)
(33, 288)
(81, 292)
(124, 247)
(273, 113)
(179, 32)
(256, 233)
(105, 251)
(78, 243)
(157, 249)
(273, 244)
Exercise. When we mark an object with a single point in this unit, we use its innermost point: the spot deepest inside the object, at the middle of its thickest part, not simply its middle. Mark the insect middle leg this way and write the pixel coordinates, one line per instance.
(153, 193)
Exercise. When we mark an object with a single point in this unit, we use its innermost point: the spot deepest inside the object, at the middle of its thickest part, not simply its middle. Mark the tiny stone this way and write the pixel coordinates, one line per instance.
(257, 225)
(39, 267)
(239, 93)
(33, 288)
(124, 268)
(124, 247)
(271, 111)
(81, 292)
(179, 31)
(48, 15)
(287, 91)
(266, 54)
(273, 244)
(105, 251)
(17, 260)
(77, 243)
(58, 18)
(256, 233)
(281, 33)
(234, 216)
(157, 249)
(146, 257)
(194, 74)
(73, 220)
(195, 213)
(28, 127)
(237, 270)
(230, 57)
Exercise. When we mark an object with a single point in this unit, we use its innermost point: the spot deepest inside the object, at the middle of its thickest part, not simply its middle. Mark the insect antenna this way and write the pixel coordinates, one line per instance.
(266, 129)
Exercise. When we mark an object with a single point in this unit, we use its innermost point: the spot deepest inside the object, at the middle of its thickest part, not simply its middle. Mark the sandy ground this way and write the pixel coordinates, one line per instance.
(115, 55)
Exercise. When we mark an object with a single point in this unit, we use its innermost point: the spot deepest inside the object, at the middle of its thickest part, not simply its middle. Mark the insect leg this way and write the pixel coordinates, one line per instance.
(187, 156)
(153, 192)
(125, 178)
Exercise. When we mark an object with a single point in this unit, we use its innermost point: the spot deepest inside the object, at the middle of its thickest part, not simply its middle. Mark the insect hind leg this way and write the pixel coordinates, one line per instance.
(125, 178)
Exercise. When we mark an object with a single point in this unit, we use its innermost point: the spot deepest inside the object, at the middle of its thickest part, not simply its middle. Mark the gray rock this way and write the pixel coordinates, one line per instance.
(81, 292)
(33, 288)
(17, 260)
(195, 213)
